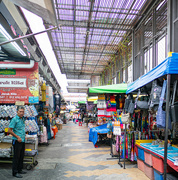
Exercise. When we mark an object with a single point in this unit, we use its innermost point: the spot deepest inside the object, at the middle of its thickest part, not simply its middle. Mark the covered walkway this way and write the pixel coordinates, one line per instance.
(70, 156)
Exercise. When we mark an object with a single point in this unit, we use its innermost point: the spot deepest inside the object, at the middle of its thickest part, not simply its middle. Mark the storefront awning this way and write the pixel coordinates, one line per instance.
(115, 88)
(92, 99)
(81, 102)
(168, 66)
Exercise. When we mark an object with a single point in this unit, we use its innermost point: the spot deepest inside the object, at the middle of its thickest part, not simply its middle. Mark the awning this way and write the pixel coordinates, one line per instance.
(81, 102)
(115, 88)
(92, 99)
(168, 66)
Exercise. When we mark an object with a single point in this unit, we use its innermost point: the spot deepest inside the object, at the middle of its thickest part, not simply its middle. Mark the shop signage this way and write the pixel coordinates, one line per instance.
(13, 82)
(7, 72)
(21, 86)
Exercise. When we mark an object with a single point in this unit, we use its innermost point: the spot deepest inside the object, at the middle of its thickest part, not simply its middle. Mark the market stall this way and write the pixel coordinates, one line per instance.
(21, 85)
(160, 85)
(110, 106)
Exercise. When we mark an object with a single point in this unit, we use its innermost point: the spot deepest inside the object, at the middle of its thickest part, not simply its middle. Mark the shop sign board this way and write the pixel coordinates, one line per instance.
(23, 85)
(7, 72)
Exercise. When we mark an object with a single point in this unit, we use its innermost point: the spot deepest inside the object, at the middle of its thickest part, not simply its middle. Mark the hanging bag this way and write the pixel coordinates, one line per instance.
(142, 105)
(155, 94)
(131, 106)
(125, 118)
(174, 105)
(161, 115)
(127, 103)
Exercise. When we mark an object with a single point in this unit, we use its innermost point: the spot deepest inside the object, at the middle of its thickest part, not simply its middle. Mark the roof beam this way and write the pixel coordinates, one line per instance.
(78, 73)
(100, 11)
(77, 87)
(88, 30)
(69, 49)
(99, 25)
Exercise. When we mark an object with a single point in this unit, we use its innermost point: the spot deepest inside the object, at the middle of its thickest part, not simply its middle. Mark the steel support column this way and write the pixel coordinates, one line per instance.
(174, 26)
(167, 120)
(154, 39)
(142, 64)
(169, 26)
(133, 55)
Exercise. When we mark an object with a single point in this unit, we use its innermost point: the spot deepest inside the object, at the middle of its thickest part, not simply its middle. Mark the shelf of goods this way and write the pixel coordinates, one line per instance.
(31, 129)
(150, 159)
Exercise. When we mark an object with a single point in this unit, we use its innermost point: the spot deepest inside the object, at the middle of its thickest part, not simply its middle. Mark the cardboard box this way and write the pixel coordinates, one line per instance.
(4, 145)
(33, 146)
(30, 146)
(59, 126)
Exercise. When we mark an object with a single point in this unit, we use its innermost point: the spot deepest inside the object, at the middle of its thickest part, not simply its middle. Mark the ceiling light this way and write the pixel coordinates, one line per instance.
(8, 37)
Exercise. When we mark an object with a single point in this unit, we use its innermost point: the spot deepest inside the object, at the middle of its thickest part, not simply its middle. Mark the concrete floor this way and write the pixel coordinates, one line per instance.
(70, 156)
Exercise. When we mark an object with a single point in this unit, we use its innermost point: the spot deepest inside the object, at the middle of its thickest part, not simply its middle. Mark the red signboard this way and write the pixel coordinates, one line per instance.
(19, 84)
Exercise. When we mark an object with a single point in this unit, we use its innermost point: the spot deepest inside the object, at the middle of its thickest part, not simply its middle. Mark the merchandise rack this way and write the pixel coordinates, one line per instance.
(29, 160)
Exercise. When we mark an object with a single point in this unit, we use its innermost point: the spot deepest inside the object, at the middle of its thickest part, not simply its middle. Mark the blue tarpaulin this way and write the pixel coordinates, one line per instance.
(93, 134)
(168, 66)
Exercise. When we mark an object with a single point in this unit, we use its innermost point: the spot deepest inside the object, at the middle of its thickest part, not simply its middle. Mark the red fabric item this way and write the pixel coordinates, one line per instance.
(55, 130)
(170, 163)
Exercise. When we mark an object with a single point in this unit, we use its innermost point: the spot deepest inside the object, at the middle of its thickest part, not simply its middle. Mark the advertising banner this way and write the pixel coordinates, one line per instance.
(19, 85)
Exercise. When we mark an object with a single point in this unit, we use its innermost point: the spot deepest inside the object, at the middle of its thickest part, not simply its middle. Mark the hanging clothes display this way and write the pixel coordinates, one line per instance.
(117, 128)
(111, 103)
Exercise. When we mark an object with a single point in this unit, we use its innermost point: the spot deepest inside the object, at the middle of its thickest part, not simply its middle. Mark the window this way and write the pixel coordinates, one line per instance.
(161, 50)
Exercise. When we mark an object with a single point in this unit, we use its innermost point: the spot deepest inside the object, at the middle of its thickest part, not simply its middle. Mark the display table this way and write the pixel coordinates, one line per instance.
(30, 159)
(94, 132)
(170, 163)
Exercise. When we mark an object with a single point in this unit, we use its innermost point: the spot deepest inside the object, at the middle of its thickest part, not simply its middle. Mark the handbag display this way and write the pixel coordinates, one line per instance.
(127, 102)
(161, 115)
(142, 105)
(155, 94)
(174, 105)
(125, 118)
(131, 107)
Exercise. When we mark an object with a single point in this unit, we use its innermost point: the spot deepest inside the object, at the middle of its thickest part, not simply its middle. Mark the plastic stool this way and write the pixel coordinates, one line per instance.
(80, 123)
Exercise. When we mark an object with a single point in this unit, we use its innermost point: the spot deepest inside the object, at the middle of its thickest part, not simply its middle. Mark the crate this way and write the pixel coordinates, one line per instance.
(172, 176)
(59, 126)
(140, 164)
(158, 164)
(141, 153)
(144, 141)
(148, 158)
(158, 175)
(148, 170)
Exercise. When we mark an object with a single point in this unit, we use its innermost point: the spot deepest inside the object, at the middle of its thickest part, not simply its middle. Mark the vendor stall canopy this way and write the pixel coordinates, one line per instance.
(81, 102)
(111, 89)
(168, 66)
(89, 33)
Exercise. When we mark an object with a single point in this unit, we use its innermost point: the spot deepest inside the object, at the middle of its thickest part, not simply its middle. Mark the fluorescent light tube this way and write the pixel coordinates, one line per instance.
(8, 37)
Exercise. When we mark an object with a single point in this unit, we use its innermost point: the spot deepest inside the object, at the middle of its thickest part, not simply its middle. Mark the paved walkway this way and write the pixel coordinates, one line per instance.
(71, 157)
